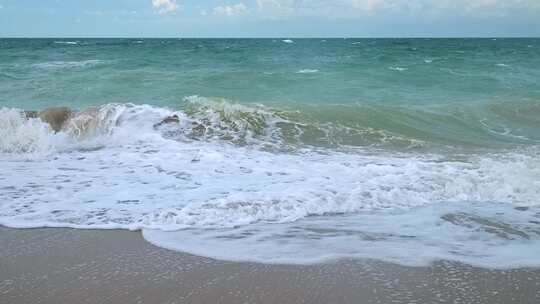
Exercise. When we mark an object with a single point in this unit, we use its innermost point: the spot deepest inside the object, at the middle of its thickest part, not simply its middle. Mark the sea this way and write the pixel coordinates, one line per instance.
(284, 151)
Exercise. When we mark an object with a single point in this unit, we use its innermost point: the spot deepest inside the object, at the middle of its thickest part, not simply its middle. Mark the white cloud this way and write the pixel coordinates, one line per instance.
(165, 6)
(276, 8)
(231, 10)
(370, 5)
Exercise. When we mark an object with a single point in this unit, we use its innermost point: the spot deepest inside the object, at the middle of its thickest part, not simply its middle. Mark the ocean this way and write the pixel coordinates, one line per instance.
(285, 150)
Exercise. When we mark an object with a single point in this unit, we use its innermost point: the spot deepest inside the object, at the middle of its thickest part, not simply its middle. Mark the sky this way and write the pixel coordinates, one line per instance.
(269, 18)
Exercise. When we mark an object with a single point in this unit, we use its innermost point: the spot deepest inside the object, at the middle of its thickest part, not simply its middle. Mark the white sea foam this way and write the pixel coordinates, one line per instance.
(503, 65)
(58, 65)
(173, 185)
(399, 69)
(287, 41)
(67, 42)
(113, 169)
(21, 135)
(307, 71)
(90, 128)
(487, 235)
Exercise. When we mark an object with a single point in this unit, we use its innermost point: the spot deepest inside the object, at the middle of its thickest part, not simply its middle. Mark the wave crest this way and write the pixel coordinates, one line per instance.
(454, 128)
(110, 124)
(218, 118)
(21, 135)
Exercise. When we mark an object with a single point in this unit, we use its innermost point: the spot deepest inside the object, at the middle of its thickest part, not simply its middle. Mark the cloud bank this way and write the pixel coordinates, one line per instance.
(237, 9)
(165, 6)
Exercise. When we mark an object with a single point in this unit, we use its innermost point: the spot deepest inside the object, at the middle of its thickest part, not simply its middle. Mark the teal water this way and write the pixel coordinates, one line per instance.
(469, 90)
(383, 71)
(406, 150)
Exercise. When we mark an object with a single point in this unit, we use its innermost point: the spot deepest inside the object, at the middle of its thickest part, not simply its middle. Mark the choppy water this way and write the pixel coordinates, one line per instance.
(289, 152)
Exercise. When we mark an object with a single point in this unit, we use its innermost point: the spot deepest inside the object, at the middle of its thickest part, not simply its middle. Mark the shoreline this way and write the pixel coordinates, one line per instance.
(59, 265)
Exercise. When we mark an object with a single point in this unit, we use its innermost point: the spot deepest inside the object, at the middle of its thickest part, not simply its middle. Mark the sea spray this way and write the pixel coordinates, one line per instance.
(21, 135)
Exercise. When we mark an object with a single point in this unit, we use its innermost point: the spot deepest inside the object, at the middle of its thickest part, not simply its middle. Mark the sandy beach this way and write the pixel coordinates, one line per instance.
(97, 266)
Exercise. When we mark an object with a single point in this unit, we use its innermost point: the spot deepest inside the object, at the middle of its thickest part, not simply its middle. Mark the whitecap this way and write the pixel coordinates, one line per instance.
(399, 69)
(56, 65)
(287, 41)
(307, 71)
(20, 135)
(67, 42)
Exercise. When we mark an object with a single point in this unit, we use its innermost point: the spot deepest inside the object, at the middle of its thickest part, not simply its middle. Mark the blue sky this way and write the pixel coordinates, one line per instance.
(268, 18)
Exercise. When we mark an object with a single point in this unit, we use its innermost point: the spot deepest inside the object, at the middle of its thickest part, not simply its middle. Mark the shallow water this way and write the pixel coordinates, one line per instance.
(286, 152)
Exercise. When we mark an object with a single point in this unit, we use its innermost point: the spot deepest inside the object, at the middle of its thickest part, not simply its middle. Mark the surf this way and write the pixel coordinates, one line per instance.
(224, 168)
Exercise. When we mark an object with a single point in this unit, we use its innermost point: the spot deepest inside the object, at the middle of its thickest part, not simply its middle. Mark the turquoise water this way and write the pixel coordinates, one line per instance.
(285, 151)
(42, 73)
(450, 91)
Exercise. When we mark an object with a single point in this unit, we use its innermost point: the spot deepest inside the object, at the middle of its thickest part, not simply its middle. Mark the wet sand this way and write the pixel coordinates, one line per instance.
(90, 266)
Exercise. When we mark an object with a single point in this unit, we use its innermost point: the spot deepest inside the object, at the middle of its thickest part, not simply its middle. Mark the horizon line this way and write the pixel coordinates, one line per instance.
(269, 37)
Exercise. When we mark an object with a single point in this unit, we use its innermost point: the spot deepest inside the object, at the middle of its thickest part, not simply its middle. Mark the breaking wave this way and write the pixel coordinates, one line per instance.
(462, 128)
(220, 166)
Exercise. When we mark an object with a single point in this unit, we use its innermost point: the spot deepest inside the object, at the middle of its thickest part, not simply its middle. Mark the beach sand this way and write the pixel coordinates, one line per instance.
(97, 266)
